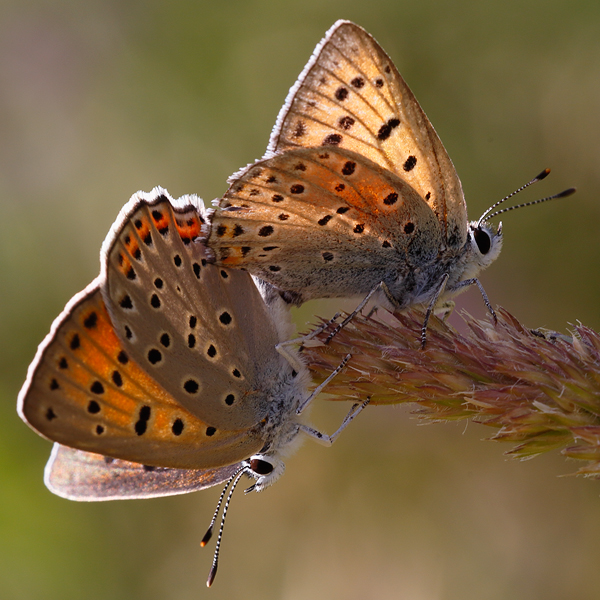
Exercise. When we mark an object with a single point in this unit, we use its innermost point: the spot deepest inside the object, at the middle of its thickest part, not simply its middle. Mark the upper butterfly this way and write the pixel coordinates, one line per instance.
(356, 189)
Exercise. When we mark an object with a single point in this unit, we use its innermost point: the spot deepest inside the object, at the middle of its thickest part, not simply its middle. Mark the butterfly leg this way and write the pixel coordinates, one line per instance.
(380, 286)
(475, 281)
(430, 309)
(327, 440)
(291, 357)
(323, 438)
(320, 387)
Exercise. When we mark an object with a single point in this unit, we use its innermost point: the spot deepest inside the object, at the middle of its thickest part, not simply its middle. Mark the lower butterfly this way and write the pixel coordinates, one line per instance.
(163, 376)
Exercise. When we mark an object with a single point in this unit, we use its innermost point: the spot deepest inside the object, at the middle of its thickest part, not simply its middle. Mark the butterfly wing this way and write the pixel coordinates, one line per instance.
(85, 390)
(351, 95)
(325, 222)
(203, 333)
(86, 477)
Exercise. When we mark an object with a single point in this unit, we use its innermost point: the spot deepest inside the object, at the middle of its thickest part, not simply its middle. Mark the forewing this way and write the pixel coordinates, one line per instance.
(85, 390)
(203, 333)
(351, 95)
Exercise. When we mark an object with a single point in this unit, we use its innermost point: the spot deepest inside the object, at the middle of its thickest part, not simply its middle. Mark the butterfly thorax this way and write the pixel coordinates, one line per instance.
(419, 284)
(280, 427)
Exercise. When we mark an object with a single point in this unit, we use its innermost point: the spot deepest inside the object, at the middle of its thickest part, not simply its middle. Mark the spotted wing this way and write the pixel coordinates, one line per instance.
(351, 95)
(85, 476)
(85, 390)
(323, 222)
(203, 333)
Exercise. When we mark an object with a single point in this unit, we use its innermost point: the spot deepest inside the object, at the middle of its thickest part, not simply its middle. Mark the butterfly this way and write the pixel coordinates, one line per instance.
(163, 376)
(356, 191)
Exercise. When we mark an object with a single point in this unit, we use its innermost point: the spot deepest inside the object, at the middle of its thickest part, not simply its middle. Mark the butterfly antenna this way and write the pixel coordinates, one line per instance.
(537, 178)
(559, 195)
(215, 564)
(209, 531)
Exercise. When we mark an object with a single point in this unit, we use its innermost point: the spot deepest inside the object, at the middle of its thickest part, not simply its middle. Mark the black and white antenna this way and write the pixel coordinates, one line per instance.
(486, 215)
(232, 481)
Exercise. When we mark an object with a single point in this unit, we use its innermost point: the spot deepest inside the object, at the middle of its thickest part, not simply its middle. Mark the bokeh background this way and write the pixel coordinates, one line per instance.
(101, 98)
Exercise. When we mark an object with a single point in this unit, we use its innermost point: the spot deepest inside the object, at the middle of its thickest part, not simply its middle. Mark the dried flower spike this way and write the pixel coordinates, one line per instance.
(541, 390)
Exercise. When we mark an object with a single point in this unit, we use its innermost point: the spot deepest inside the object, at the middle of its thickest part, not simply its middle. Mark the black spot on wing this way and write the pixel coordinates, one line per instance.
(299, 129)
(97, 388)
(191, 386)
(91, 320)
(117, 379)
(143, 417)
(225, 318)
(346, 123)
(177, 427)
(410, 163)
(386, 129)
(390, 199)
(341, 93)
(333, 139)
(126, 302)
(349, 168)
(154, 356)
(265, 231)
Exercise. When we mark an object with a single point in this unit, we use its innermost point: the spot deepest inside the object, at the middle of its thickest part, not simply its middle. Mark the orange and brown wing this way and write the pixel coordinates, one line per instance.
(351, 95)
(85, 391)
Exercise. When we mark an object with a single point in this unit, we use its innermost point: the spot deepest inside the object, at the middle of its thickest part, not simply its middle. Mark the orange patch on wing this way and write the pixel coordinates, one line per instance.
(188, 225)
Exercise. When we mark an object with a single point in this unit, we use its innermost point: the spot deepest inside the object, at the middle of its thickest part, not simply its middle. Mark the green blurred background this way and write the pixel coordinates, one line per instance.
(99, 99)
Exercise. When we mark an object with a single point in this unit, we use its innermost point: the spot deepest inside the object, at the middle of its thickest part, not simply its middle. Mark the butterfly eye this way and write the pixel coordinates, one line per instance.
(482, 239)
(261, 467)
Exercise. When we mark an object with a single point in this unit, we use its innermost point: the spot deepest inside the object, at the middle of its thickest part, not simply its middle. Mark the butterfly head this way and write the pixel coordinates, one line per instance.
(485, 243)
(266, 470)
